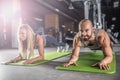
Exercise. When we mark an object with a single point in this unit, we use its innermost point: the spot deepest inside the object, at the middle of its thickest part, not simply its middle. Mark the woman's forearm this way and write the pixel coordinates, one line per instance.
(18, 58)
(14, 60)
(36, 59)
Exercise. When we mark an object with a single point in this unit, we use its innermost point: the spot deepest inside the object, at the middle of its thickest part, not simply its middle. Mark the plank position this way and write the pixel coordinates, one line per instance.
(27, 41)
(88, 36)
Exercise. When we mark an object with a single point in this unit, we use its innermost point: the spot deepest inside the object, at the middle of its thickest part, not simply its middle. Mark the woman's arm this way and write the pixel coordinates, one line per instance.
(18, 58)
(40, 50)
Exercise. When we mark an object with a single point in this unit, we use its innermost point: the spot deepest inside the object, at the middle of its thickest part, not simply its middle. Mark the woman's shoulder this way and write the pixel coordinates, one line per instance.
(38, 37)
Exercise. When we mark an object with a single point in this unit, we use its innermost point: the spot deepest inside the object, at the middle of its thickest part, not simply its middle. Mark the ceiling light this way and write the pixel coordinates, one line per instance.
(38, 19)
(116, 4)
(71, 6)
(113, 18)
(60, 0)
(57, 10)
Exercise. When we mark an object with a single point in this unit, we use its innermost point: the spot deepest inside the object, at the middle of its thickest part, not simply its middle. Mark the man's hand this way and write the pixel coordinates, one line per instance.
(102, 65)
(71, 62)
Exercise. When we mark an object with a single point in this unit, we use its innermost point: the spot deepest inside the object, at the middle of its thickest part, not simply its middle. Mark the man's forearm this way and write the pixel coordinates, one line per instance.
(107, 59)
(75, 54)
(107, 55)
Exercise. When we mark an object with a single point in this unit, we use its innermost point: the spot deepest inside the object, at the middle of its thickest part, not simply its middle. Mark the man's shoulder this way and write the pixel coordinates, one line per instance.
(78, 34)
(101, 32)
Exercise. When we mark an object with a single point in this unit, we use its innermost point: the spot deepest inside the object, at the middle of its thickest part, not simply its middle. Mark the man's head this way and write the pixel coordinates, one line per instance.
(86, 28)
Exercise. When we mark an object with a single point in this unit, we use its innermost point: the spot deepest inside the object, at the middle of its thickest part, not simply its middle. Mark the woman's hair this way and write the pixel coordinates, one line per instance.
(28, 50)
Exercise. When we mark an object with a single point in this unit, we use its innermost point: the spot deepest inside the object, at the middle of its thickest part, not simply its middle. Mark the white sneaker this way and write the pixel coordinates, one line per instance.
(66, 47)
(58, 49)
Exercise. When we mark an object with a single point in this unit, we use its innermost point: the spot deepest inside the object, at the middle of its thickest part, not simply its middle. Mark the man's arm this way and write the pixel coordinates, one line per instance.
(104, 42)
(106, 47)
(75, 53)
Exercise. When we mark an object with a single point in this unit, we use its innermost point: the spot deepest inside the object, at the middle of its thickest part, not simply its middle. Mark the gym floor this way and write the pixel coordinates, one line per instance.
(47, 70)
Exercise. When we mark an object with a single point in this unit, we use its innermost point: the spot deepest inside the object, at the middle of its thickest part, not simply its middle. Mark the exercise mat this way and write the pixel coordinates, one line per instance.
(86, 60)
(48, 57)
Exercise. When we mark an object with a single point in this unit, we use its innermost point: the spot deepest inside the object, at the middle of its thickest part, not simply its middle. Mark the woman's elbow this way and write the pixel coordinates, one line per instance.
(41, 57)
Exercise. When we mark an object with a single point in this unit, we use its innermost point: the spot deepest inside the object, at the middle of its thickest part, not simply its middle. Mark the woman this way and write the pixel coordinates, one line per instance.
(27, 41)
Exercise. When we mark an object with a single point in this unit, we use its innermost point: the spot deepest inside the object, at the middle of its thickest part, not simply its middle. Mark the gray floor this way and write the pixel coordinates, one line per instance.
(47, 70)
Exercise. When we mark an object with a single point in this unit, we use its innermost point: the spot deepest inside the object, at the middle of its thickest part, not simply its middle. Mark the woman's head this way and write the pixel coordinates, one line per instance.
(25, 33)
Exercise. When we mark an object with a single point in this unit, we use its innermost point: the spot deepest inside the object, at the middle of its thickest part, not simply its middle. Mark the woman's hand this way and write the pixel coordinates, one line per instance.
(18, 58)
(6, 63)
(11, 61)
(29, 61)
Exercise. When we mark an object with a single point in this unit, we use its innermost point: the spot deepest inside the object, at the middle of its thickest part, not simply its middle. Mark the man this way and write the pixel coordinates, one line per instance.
(88, 36)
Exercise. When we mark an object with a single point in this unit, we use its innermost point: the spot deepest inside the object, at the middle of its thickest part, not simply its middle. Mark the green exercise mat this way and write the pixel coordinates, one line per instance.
(86, 60)
(48, 56)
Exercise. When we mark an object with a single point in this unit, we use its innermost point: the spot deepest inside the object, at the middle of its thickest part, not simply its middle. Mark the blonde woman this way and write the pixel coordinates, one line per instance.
(27, 41)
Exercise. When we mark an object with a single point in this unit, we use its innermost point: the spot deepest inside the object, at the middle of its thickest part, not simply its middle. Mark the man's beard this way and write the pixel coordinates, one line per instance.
(88, 37)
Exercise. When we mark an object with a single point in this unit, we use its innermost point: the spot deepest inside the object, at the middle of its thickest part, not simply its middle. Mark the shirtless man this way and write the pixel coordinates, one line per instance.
(86, 37)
